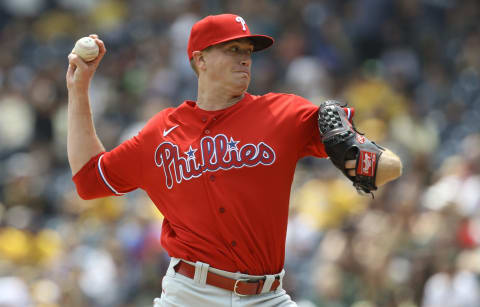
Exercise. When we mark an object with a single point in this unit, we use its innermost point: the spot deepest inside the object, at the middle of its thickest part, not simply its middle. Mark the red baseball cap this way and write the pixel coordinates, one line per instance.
(216, 29)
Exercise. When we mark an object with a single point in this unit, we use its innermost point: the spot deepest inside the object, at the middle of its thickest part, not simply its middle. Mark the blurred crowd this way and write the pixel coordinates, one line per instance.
(410, 68)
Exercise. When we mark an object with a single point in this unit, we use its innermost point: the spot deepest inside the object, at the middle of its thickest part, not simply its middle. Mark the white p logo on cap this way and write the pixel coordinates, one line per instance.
(242, 21)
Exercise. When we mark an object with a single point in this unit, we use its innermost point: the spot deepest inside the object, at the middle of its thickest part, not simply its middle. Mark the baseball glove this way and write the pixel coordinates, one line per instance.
(343, 142)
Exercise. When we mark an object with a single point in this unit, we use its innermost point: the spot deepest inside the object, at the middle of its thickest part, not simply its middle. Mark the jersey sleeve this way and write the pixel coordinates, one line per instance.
(307, 124)
(111, 173)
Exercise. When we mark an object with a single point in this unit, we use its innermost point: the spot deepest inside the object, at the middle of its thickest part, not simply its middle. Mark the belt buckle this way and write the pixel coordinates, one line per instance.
(236, 285)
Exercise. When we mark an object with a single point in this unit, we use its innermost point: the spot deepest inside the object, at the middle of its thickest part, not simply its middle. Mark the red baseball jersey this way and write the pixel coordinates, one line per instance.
(221, 179)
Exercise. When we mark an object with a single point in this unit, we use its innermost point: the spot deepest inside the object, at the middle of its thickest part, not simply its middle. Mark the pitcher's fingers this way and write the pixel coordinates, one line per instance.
(77, 61)
(351, 173)
(70, 70)
(350, 164)
(100, 44)
(101, 47)
(101, 51)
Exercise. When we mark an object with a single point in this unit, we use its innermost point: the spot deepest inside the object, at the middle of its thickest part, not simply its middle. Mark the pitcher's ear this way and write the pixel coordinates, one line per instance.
(198, 57)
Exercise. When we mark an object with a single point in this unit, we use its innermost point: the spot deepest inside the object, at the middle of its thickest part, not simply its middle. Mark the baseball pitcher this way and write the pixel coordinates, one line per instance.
(220, 168)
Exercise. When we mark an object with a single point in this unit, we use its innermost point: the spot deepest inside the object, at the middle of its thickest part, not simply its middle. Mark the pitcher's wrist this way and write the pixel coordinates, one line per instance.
(77, 92)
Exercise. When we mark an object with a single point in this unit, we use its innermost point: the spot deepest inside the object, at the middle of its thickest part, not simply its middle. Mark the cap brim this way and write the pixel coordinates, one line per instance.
(260, 42)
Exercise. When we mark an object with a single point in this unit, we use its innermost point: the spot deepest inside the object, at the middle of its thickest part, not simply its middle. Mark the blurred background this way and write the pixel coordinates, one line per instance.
(410, 68)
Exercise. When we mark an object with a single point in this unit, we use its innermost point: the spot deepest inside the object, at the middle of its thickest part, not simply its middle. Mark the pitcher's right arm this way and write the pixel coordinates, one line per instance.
(82, 140)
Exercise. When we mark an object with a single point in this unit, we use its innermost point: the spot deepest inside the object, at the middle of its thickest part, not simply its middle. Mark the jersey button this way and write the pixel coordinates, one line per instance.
(233, 243)
(207, 131)
(204, 119)
(221, 210)
(212, 178)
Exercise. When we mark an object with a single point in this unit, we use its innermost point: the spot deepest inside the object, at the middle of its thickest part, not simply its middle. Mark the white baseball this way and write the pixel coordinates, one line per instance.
(86, 48)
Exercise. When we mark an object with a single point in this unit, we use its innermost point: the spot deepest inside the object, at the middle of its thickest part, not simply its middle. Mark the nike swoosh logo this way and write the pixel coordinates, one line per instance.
(166, 132)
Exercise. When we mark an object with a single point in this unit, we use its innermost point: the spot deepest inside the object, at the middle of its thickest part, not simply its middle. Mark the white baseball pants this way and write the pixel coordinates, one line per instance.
(181, 291)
